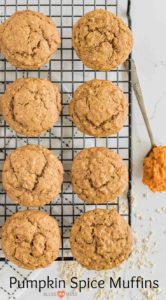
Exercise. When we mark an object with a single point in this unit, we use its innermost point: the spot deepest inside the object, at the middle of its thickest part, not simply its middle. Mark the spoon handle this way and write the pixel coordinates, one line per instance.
(138, 93)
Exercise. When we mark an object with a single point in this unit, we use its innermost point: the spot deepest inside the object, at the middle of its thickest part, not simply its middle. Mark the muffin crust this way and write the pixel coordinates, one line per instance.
(102, 40)
(31, 239)
(101, 239)
(32, 175)
(31, 105)
(28, 39)
(98, 175)
(98, 108)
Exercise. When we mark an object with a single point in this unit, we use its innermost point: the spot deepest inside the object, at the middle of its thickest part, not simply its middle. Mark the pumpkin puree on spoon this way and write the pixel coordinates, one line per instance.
(154, 174)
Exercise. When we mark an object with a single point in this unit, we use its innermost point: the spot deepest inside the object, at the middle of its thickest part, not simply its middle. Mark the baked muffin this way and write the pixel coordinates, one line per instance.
(101, 239)
(32, 175)
(1, 31)
(31, 106)
(98, 175)
(31, 239)
(102, 40)
(154, 171)
(28, 39)
(98, 108)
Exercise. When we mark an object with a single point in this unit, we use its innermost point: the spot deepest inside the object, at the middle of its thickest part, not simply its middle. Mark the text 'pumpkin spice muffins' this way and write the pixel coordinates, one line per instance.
(98, 175)
(154, 169)
(30, 106)
(31, 239)
(28, 39)
(98, 108)
(32, 175)
(102, 40)
(100, 239)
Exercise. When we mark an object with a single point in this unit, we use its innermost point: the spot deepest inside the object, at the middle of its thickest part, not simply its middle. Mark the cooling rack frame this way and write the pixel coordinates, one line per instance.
(64, 139)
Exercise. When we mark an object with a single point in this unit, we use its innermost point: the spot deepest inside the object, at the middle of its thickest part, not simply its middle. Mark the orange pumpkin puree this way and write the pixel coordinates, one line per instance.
(154, 169)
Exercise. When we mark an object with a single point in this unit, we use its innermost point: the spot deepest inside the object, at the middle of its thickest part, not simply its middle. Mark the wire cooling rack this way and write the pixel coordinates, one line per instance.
(64, 139)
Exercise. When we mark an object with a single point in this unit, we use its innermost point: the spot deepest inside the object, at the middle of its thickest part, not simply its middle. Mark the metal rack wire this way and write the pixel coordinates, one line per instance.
(64, 139)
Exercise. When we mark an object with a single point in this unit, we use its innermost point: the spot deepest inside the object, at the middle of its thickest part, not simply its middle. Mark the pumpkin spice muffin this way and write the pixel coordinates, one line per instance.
(98, 108)
(31, 239)
(31, 105)
(154, 172)
(28, 39)
(102, 40)
(99, 175)
(32, 175)
(101, 239)
(1, 31)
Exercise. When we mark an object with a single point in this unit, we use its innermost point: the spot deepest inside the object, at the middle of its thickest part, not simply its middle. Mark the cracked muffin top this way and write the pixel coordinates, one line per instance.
(31, 239)
(101, 239)
(102, 40)
(98, 108)
(28, 39)
(31, 106)
(98, 175)
(154, 171)
(32, 175)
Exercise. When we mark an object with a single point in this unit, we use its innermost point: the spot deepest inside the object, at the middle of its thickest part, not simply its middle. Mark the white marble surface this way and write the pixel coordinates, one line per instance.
(149, 25)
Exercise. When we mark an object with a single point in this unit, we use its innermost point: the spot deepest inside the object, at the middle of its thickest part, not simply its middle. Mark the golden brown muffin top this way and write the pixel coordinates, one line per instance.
(28, 39)
(31, 105)
(98, 108)
(31, 239)
(102, 40)
(32, 175)
(101, 239)
(99, 175)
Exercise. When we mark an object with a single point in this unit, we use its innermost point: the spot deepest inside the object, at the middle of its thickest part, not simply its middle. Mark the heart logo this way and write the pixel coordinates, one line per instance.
(61, 294)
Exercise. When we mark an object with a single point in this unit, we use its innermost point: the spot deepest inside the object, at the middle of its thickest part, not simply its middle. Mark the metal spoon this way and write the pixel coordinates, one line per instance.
(138, 93)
